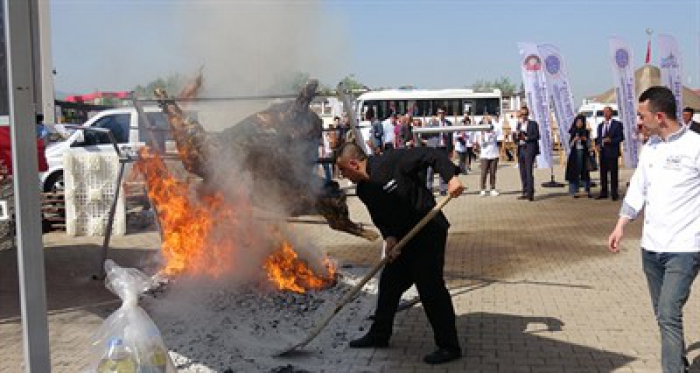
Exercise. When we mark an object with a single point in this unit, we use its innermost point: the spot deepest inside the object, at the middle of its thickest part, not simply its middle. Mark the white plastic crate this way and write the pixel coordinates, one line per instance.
(90, 178)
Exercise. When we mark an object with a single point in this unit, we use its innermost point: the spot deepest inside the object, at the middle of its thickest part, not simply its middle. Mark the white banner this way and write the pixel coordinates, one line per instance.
(558, 87)
(671, 73)
(537, 99)
(621, 59)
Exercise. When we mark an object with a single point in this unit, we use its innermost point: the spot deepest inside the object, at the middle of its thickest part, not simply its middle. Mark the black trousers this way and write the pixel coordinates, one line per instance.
(526, 165)
(609, 166)
(421, 263)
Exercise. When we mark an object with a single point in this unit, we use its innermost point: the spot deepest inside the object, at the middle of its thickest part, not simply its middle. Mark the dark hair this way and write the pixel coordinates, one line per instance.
(573, 130)
(689, 109)
(351, 150)
(661, 100)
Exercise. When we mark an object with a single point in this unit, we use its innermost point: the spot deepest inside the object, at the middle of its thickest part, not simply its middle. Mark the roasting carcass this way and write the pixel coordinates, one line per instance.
(278, 146)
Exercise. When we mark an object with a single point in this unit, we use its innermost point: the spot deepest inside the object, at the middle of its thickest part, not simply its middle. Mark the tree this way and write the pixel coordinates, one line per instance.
(503, 83)
(352, 83)
(172, 84)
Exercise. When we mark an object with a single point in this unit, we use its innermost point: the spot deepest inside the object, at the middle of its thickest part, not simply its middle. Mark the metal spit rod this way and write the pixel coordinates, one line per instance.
(445, 129)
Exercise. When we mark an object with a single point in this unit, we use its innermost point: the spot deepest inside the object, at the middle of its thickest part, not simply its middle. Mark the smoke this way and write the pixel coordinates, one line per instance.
(249, 48)
(246, 49)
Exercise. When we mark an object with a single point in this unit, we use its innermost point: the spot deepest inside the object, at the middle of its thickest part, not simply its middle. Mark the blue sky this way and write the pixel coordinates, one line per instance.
(117, 44)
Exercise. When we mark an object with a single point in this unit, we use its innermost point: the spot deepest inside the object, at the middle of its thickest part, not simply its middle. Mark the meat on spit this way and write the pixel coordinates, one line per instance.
(277, 146)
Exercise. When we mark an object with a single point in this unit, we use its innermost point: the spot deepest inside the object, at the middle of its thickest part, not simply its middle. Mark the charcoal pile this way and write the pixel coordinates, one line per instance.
(223, 328)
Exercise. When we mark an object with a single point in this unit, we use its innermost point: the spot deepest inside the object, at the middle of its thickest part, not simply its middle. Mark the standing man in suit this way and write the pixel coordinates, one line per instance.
(527, 136)
(688, 121)
(610, 136)
(442, 141)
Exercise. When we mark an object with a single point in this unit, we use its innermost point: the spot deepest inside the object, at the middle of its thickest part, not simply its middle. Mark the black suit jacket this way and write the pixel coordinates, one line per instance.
(694, 126)
(617, 136)
(532, 138)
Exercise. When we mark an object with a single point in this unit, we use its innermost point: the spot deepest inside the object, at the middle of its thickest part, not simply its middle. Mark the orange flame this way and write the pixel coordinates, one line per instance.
(191, 242)
(288, 272)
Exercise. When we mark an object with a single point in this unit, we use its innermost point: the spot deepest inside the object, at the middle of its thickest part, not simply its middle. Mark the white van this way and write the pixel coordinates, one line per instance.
(594, 115)
(124, 124)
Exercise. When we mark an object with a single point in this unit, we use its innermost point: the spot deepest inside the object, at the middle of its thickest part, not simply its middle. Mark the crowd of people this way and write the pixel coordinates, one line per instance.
(666, 185)
(396, 132)
(590, 149)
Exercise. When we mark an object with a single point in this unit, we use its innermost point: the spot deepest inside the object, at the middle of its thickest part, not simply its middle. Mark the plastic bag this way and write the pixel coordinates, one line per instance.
(128, 341)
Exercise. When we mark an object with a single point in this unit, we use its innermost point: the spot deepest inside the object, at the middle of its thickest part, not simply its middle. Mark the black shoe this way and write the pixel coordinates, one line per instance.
(522, 197)
(369, 341)
(602, 196)
(615, 198)
(576, 195)
(441, 356)
(531, 198)
(590, 195)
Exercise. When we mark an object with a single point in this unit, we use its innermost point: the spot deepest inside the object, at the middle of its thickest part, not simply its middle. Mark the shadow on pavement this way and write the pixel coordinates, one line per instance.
(506, 343)
(69, 277)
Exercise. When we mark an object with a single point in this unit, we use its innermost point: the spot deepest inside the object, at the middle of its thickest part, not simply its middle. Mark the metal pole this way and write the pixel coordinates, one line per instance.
(110, 218)
(471, 128)
(30, 250)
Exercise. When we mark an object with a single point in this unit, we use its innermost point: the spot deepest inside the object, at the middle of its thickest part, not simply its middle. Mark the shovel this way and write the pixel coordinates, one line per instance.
(356, 289)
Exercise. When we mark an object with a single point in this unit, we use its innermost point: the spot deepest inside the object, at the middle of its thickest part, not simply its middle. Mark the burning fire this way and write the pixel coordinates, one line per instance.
(288, 272)
(202, 235)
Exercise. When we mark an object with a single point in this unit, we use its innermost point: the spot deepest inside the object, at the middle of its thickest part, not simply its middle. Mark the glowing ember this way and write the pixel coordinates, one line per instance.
(288, 272)
(206, 235)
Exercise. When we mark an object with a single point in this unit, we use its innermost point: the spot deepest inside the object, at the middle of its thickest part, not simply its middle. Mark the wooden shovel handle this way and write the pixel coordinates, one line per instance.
(427, 218)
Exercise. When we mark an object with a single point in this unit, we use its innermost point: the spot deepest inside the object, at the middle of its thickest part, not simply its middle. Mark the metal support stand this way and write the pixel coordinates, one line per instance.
(123, 160)
(110, 219)
(552, 183)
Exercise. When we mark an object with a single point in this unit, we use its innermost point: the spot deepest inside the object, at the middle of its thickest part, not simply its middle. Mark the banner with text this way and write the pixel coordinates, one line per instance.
(621, 59)
(671, 72)
(558, 86)
(537, 99)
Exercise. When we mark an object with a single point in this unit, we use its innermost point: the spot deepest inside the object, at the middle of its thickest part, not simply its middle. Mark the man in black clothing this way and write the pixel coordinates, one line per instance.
(527, 137)
(393, 188)
(610, 136)
(688, 113)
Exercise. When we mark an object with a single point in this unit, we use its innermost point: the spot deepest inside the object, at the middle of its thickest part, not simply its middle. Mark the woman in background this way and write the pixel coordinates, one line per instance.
(578, 164)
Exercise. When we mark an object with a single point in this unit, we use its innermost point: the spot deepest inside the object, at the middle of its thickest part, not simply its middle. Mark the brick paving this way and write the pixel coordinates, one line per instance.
(534, 288)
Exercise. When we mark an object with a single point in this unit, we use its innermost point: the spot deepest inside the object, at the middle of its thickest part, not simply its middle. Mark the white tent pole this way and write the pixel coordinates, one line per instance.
(19, 18)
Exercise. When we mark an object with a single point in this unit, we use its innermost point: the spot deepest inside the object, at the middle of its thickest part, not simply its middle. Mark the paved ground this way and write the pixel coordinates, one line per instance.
(534, 288)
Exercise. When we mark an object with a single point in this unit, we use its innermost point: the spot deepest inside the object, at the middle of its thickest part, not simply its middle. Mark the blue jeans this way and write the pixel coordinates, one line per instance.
(574, 186)
(670, 277)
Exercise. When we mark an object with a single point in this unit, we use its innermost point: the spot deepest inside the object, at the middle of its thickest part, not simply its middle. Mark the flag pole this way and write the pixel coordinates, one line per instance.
(647, 59)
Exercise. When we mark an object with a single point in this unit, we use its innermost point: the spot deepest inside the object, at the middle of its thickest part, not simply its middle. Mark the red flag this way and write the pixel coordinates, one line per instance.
(648, 58)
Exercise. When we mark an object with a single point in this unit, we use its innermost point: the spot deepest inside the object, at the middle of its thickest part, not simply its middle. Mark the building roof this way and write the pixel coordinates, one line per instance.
(92, 96)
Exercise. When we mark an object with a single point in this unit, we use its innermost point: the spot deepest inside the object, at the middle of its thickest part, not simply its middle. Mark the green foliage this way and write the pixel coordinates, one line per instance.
(172, 84)
(352, 83)
(503, 83)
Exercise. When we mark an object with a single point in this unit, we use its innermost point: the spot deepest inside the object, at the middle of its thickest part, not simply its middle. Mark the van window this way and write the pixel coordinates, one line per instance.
(118, 124)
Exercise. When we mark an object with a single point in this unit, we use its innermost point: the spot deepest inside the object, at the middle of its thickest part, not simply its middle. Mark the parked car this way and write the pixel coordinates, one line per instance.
(122, 122)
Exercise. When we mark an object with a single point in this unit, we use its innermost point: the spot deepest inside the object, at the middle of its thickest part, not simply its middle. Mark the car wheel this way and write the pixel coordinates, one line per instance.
(55, 183)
